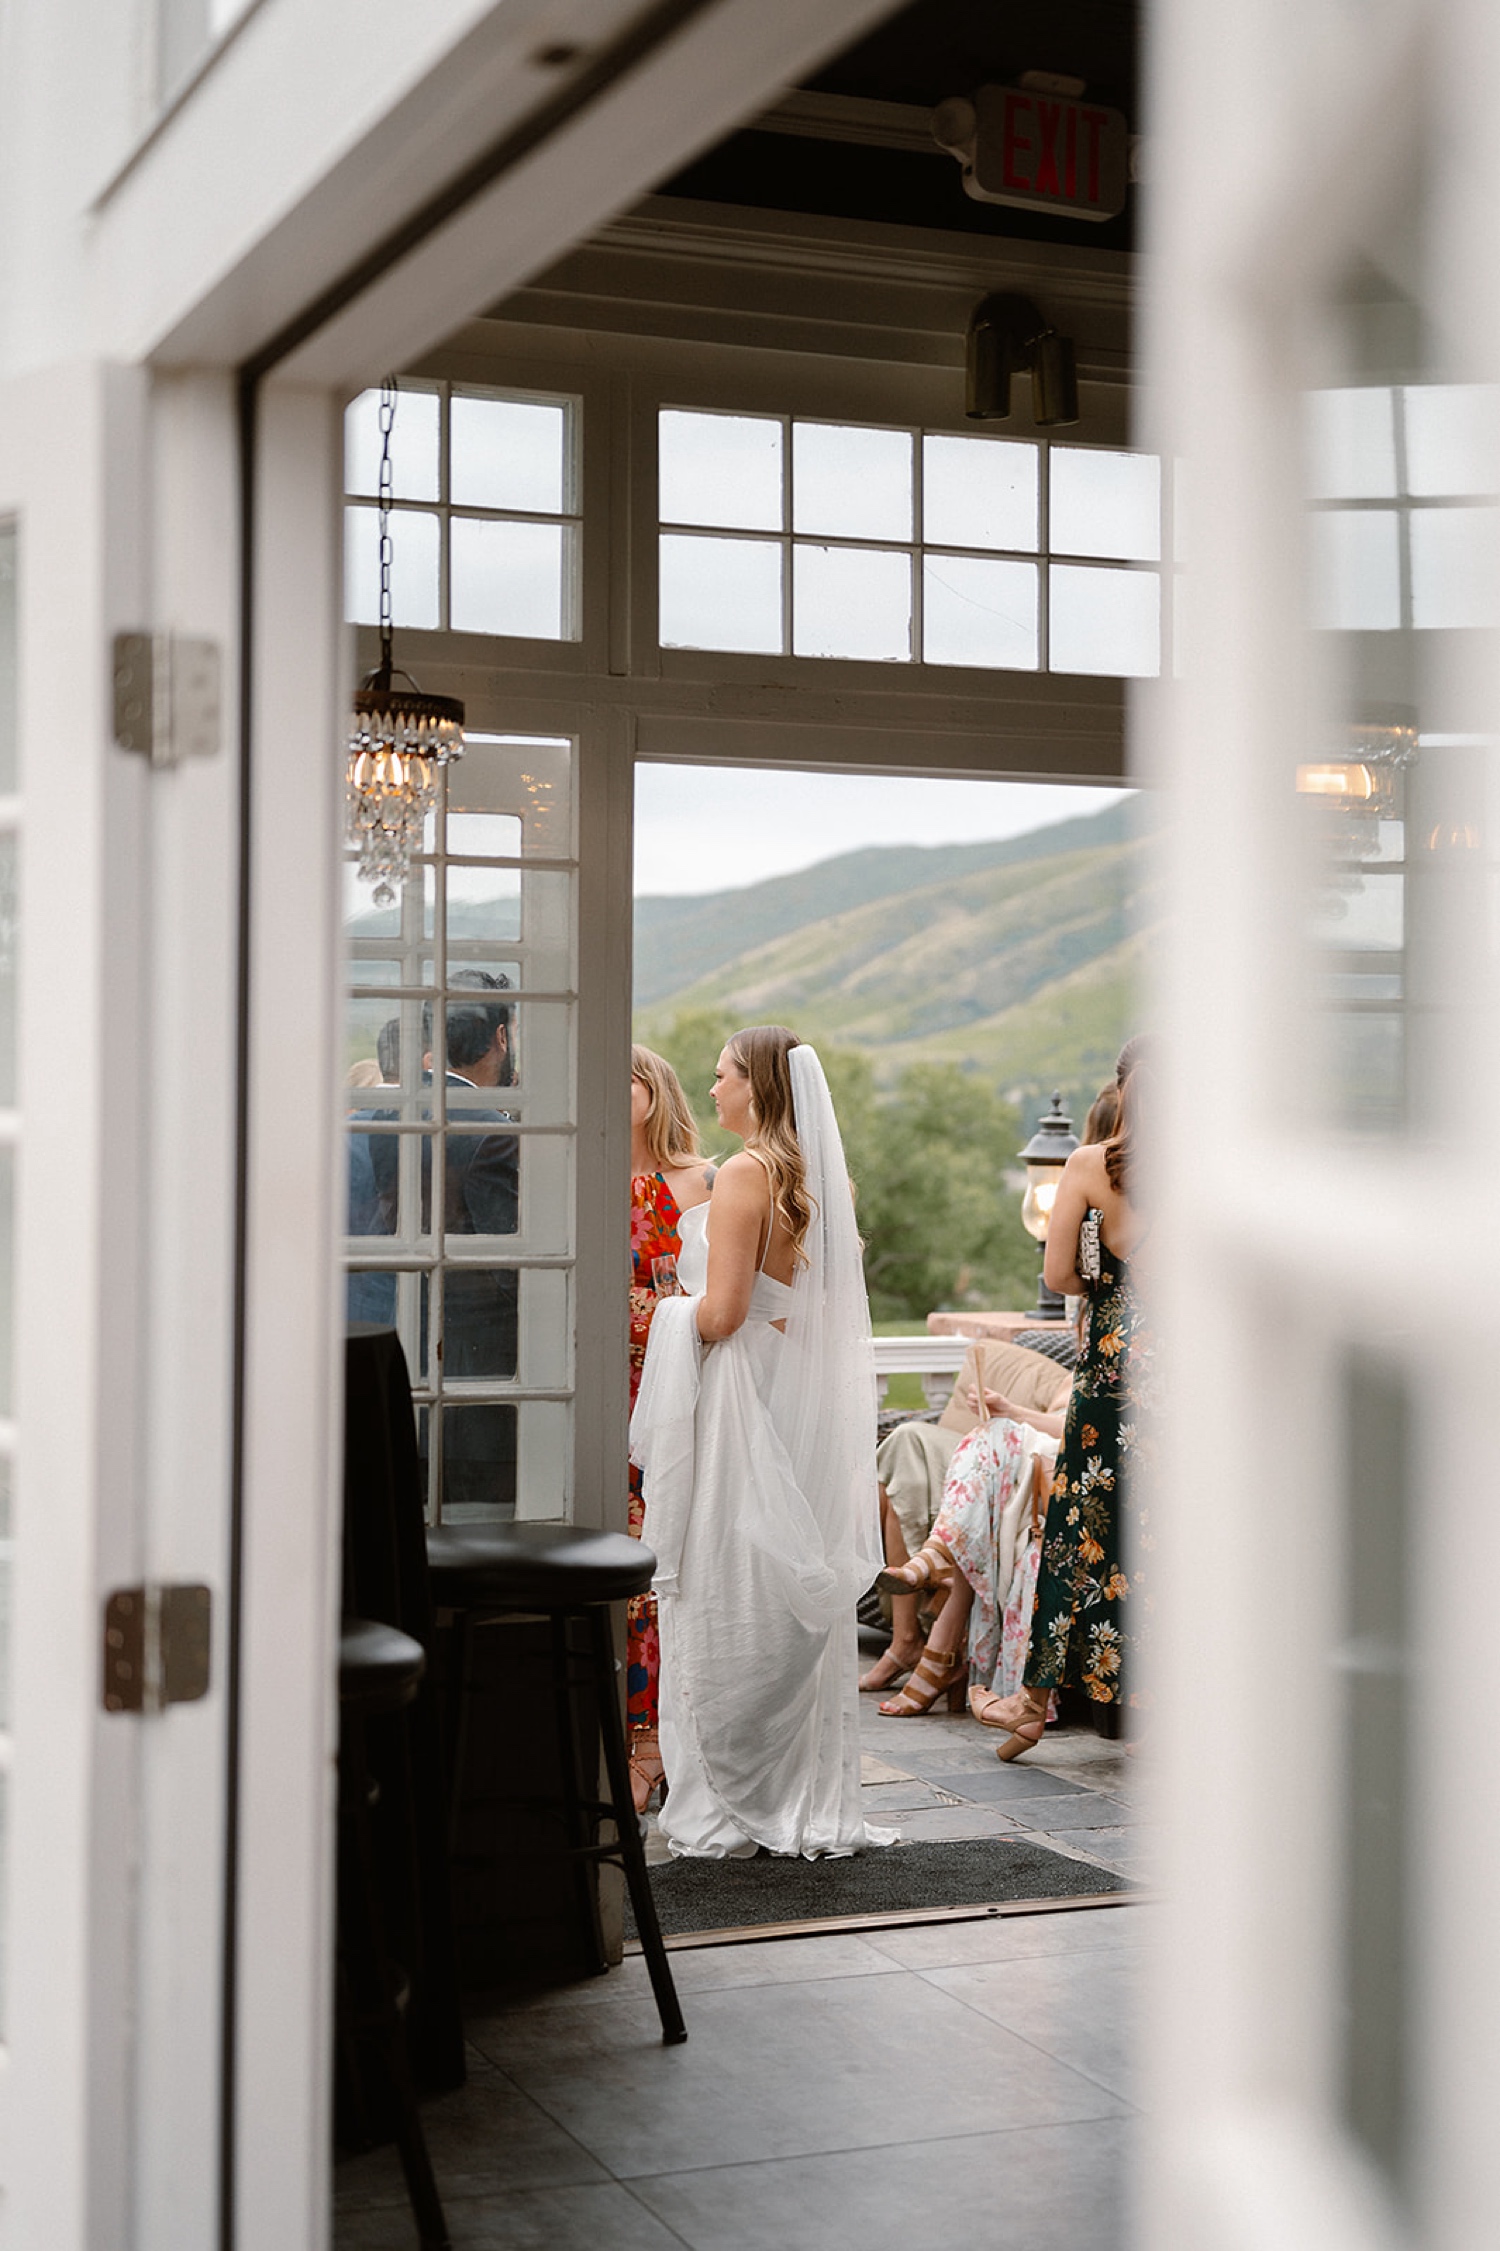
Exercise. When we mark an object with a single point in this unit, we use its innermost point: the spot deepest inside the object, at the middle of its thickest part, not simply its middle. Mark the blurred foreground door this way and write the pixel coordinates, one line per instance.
(116, 1237)
(1323, 2050)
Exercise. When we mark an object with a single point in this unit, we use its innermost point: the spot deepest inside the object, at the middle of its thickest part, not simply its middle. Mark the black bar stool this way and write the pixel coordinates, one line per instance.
(380, 1670)
(571, 1577)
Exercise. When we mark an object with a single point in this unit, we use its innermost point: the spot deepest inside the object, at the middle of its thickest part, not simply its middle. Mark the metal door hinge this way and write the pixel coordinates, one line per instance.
(156, 1647)
(167, 696)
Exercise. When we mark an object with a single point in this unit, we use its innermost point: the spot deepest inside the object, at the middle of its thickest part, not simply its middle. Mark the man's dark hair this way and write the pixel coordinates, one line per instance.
(388, 1049)
(472, 1029)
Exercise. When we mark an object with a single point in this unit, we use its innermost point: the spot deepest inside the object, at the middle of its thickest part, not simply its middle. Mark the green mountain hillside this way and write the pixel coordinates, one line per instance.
(717, 929)
(1024, 971)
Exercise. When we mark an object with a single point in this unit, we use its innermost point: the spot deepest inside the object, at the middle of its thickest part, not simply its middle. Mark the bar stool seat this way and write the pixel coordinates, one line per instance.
(380, 1668)
(569, 1575)
(518, 1566)
(380, 1671)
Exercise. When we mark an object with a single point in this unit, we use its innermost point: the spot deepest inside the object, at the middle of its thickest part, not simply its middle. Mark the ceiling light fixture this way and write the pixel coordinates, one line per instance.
(400, 738)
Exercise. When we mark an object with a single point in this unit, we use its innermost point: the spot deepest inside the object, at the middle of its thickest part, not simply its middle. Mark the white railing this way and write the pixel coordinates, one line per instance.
(936, 1360)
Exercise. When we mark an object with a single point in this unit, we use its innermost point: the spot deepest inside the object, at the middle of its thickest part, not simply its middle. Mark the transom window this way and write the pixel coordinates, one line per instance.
(822, 539)
(485, 524)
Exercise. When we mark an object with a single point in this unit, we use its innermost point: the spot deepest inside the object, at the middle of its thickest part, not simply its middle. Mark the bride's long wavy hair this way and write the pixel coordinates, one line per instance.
(761, 1053)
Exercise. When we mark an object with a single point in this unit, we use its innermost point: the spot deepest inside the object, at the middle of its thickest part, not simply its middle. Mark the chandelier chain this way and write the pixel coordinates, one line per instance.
(386, 490)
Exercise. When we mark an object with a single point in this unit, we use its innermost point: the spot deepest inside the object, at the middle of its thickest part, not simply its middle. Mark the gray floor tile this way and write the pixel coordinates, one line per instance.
(991, 1780)
(609, 2218)
(900, 1797)
(940, 1823)
(1010, 1938)
(781, 2071)
(1028, 2189)
(925, 1752)
(1126, 1852)
(696, 1969)
(1083, 1810)
(1078, 2008)
(485, 2139)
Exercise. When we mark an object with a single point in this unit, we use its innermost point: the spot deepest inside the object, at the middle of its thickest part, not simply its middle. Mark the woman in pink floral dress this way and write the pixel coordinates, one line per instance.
(669, 1177)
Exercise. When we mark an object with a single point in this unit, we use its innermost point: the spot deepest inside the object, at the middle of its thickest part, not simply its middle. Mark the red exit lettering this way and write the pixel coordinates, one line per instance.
(1046, 153)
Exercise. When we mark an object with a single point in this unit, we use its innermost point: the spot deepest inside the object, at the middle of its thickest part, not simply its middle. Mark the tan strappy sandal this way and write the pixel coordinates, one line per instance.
(930, 1568)
(938, 1673)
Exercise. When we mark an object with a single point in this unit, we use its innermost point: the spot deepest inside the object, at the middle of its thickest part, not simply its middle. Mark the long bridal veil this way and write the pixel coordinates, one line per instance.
(823, 1399)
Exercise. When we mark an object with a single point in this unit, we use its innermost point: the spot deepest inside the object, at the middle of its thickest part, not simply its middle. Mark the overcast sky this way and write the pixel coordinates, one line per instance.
(714, 828)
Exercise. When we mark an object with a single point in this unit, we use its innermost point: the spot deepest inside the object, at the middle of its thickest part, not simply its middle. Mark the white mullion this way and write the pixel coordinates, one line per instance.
(916, 553)
(788, 533)
(1044, 558)
(445, 506)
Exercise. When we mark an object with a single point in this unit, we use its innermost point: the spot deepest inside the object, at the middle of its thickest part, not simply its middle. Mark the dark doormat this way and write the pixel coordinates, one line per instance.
(715, 1895)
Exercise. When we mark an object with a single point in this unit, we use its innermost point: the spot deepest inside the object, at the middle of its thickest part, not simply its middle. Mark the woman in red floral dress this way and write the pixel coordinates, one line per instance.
(669, 1177)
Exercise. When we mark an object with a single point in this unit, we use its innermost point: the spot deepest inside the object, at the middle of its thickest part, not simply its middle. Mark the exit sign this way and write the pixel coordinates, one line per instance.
(1045, 152)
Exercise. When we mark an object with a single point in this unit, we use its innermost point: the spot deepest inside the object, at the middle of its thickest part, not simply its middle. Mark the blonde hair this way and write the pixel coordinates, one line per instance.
(669, 1127)
(761, 1053)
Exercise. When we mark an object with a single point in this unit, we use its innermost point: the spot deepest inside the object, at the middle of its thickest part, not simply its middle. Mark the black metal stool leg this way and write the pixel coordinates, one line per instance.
(628, 1830)
(462, 1652)
(581, 1824)
(385, 2017)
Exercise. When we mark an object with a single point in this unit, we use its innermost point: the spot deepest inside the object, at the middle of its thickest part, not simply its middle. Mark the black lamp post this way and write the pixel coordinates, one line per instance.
(1044, 1156)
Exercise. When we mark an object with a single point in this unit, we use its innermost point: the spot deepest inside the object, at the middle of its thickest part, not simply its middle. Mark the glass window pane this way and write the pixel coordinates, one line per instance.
(7, 1279)
(979, 612)
(979, 492)
(851, 602)
(1104, 504)
(720, 469)
(853, 483)
(1104, 622)
(479, 1464)
(1453, 566)
(1351, 444)
(7, 1550)
(529, 775)
(509, 578)
(414, 567)
(1356, 569)
(508, 453)
(9, 545)
(543, 1455)
(480, 1327)
(1368, 918)
(1451, 438)
(721, 594)
(414, 445)
(485, 903)
(9, 932)
(489, 836)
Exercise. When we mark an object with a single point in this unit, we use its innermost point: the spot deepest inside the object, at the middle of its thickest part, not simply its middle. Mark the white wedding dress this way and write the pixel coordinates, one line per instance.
(757, 1456)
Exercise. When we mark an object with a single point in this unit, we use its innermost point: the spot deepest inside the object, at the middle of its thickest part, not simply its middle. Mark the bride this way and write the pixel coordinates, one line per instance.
(755, 1430)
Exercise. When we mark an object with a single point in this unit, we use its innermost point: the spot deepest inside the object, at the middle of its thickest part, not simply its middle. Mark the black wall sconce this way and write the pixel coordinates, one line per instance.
(1009, 335)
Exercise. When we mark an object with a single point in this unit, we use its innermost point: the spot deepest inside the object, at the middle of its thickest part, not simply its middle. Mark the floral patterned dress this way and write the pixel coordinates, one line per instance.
(655, 1222)
(1080, 1637)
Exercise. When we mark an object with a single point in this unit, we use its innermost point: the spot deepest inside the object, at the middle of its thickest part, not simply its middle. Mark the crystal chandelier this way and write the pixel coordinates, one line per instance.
(400, 737)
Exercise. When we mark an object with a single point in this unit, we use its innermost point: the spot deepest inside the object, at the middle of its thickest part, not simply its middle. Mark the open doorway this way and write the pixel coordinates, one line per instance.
(967, 956)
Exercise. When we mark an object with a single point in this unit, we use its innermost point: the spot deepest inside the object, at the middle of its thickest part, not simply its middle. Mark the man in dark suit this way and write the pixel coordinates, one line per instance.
(480, 1197)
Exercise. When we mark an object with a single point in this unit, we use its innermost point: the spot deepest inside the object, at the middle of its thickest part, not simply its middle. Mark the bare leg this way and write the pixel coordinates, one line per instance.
(906, 1635)
(941, 1672)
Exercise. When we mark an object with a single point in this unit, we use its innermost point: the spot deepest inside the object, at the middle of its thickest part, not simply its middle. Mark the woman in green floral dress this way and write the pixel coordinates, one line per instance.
(1091, 1586)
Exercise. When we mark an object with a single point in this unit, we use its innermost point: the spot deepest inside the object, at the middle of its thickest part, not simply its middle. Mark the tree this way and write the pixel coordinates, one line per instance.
(940, 1223)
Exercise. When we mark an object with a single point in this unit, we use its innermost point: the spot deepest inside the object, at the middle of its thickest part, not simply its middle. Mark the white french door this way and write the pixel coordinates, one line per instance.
(1322, 2043)
(116, 1156)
